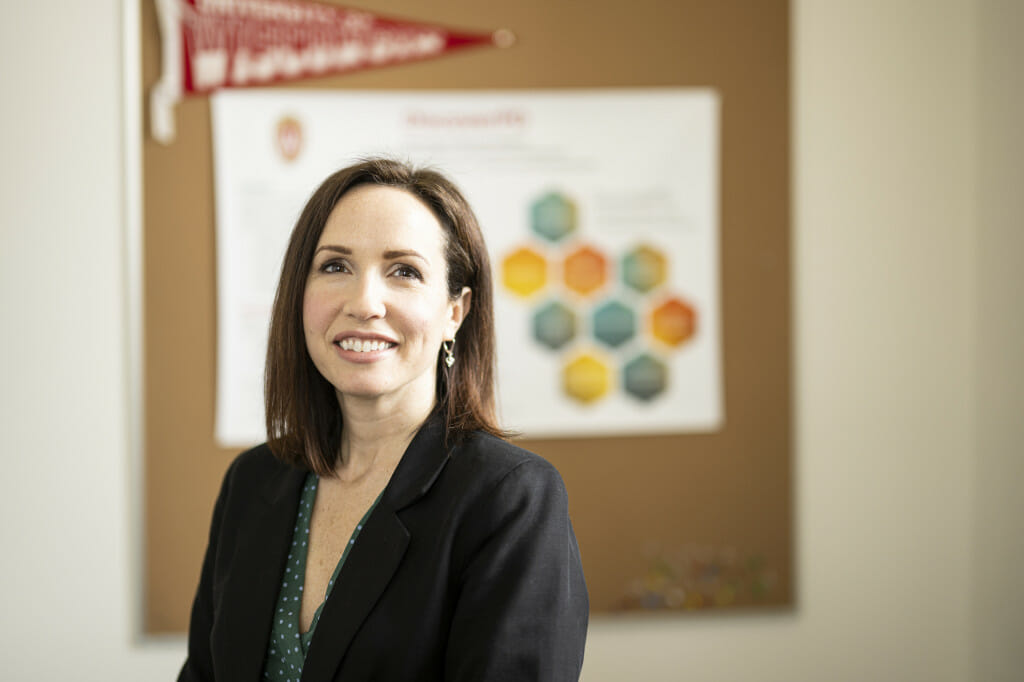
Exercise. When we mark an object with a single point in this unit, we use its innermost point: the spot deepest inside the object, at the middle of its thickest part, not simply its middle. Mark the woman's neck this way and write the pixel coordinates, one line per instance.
(375, 436)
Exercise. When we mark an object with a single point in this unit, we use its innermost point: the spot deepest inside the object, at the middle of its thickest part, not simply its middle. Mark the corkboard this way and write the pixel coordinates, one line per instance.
(690, 522)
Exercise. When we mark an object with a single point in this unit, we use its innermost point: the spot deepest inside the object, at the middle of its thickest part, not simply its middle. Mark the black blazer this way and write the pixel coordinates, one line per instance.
(467, 569)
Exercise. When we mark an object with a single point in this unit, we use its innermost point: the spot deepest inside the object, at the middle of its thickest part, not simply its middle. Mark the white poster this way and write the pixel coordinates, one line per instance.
(600, 212)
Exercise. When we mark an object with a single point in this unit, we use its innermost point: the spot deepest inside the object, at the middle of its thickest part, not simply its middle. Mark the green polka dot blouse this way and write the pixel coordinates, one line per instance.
(286, 650)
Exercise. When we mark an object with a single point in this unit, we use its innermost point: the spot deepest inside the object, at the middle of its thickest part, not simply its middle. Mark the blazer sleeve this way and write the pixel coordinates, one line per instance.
(198, 666)
(522, 607)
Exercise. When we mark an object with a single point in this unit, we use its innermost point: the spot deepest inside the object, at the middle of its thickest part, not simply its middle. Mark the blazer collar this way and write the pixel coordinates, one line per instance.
(378, 553)
(419, 467)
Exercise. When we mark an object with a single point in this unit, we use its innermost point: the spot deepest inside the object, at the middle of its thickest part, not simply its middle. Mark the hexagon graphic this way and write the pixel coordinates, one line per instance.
(524, 272)
(614, 324)
(673, 322)
(585, 270)
(644, 268)
(586, 378)
(554, 325)
(553, 216)
(645, 377)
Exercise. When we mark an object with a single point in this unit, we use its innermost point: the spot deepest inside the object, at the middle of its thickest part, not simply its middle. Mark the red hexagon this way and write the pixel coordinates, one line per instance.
(674, 322)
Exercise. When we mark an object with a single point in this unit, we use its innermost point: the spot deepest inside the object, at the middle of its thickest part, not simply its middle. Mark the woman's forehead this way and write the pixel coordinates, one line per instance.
(382, 218)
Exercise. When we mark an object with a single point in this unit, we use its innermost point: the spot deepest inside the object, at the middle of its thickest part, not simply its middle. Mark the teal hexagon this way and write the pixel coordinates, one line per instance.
(644, 268)
(554, 325)
(553, 216)
(645, 377)
(614, 323)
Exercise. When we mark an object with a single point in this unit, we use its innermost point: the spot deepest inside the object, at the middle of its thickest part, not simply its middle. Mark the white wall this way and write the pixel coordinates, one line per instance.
(64, 494)
(907, 353)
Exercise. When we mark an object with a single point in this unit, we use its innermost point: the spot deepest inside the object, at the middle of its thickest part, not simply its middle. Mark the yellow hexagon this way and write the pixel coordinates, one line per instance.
(586, 379)
(524, 272)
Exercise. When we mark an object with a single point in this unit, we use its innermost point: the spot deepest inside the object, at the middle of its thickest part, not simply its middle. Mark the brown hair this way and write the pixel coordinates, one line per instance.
(304, 421)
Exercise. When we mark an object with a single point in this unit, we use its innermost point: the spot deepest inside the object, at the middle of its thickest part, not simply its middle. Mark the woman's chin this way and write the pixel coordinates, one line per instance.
(386, 395)
(361, 392)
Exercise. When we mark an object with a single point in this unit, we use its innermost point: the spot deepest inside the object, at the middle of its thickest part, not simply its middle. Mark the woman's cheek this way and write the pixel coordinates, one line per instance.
(316, 312)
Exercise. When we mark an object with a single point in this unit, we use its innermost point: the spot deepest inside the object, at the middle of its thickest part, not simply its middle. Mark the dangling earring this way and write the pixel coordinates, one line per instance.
(449, 357)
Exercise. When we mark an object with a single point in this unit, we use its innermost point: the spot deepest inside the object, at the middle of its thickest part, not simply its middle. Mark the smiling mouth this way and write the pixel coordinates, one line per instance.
(364, 345)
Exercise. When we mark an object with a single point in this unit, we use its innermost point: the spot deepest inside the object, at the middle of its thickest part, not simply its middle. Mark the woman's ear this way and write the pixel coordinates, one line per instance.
(458, 308)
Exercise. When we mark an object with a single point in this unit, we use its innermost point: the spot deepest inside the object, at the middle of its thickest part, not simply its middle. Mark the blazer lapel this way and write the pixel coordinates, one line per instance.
(248, 603)
(376, 555)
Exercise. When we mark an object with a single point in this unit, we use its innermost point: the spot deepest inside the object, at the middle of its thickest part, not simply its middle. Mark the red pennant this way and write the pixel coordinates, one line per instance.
(213, 44)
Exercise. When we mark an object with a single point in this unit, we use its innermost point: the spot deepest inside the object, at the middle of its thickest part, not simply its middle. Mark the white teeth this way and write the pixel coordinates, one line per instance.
(362, 346)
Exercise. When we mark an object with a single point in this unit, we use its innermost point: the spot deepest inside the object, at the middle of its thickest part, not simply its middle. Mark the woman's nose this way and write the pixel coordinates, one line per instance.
(367, 299)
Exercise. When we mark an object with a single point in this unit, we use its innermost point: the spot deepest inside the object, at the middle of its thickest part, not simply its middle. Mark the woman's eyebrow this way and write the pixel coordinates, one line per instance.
(406, 253)
(337, 249)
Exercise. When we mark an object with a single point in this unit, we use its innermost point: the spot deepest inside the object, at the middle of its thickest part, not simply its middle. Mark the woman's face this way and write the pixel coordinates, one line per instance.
(376, 306)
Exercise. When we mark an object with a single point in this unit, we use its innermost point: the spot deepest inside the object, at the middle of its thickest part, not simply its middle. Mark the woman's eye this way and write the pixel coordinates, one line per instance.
(332, 266)
(407, 272)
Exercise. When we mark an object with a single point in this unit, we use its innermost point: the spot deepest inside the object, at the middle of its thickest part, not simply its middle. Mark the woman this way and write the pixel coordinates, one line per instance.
(444, 552)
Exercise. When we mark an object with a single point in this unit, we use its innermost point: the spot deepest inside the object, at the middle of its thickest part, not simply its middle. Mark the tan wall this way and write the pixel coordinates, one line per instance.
(998, 526)
(907, 346)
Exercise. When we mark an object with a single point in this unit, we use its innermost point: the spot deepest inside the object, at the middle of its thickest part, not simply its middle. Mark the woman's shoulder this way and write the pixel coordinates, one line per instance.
(504, 496)
(254, 465)
(487, 459)
(254, 477)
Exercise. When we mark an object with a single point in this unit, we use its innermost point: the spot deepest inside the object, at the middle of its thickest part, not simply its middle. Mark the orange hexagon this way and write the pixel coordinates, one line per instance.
(673, 322)
(585, 270)
(586, 378)
(524, 272)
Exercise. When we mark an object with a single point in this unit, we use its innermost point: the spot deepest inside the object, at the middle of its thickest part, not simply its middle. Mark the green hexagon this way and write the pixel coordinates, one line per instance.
(644, 268)
(645, 377)
(553, 216)
(614, 324)
(554, 325)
